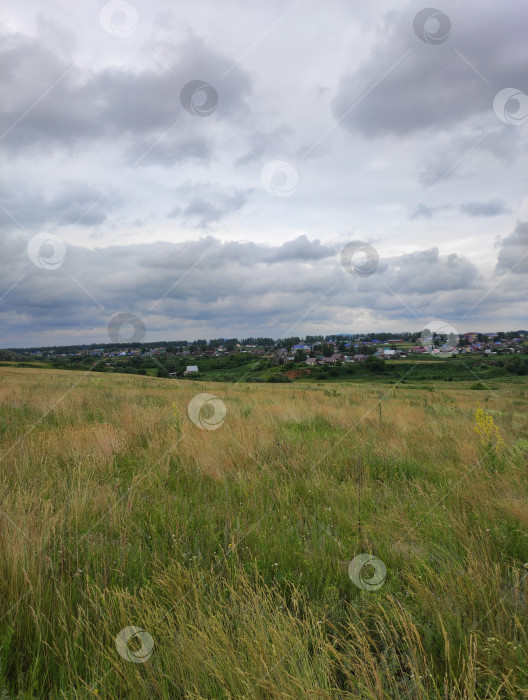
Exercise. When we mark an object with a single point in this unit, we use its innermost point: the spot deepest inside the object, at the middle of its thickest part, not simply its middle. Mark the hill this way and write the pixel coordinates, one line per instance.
(273, 540)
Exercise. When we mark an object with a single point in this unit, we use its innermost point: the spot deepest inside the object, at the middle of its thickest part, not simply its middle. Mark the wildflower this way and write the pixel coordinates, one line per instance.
(490, 439)
(488, 432)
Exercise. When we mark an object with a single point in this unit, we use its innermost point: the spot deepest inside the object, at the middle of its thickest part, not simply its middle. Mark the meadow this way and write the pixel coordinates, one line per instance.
(230, 549)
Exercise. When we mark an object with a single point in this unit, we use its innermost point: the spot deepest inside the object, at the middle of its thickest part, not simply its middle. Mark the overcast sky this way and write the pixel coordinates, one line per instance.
(202, 166)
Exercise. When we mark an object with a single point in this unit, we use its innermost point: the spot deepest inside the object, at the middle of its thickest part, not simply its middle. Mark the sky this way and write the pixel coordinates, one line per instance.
(271, 169)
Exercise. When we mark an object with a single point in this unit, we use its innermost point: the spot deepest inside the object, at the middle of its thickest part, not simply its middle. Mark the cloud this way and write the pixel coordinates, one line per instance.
(301, 249)
(493, 207)
(407, 86)
(207, 204)
(230, 288)
(392, 138)
(76, 203)
(422, 212)
(513, 254)
(56, 103)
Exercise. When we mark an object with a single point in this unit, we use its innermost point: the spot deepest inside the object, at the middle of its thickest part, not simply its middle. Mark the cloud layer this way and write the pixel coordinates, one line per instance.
(223, 210)
(206, 286)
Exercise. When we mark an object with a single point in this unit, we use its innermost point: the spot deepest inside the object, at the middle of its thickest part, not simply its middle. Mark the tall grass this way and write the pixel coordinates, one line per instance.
(231, 547)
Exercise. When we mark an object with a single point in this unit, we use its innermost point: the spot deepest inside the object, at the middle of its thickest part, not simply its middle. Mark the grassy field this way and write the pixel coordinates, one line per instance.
(231, 548)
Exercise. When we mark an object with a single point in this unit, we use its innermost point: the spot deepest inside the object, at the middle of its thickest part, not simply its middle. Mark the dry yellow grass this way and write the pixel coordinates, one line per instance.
(230, 547)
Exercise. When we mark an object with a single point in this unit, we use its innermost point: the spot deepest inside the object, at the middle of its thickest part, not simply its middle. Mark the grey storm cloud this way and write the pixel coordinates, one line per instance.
(513, 254)
(246, 286)
(301, 249)
(132, 105)
(491, 208)
(427, 272)
(406, 85)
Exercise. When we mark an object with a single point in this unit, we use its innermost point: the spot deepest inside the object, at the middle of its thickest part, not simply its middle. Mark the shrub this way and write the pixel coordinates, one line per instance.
(375, 364)
(279, 379)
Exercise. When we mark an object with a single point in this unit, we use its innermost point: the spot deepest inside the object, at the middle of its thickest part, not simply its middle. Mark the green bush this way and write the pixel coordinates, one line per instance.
(279, 379)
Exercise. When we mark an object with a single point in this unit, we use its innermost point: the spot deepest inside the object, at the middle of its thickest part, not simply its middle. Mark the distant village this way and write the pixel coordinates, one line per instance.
(316, 350)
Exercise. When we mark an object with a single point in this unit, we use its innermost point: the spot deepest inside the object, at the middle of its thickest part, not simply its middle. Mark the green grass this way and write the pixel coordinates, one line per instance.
(231, 547)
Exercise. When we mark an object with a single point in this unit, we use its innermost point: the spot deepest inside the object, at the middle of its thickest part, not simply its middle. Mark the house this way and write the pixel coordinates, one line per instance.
(191, 369)
(311, 361)
(359, 358)
(337, 357)
(301, 346)
(389, 353)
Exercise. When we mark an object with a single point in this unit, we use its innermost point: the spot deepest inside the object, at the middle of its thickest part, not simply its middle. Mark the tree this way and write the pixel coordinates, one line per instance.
(375, 364)
(300, 356)
(516, 366)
